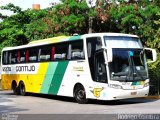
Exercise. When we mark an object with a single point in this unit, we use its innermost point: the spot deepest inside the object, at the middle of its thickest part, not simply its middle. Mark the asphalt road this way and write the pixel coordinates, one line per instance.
(45, 104)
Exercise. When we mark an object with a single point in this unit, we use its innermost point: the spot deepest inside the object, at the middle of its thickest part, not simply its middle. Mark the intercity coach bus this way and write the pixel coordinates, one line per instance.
(102, 66)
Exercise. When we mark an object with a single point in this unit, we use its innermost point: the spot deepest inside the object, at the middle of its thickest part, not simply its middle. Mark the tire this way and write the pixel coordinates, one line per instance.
(22, 89)
(80, 95)
(15, 89)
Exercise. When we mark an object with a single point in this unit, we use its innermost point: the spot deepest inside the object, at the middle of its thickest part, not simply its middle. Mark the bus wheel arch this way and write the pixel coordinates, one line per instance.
(22, 88)
(14, 87)
(80, 93)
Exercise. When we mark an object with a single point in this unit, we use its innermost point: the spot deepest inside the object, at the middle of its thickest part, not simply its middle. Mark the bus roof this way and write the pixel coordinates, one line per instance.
(45, 42)
(65, 38)
(109, 34)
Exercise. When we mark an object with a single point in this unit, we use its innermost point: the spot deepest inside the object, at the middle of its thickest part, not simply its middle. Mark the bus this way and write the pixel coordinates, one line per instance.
(101, 66)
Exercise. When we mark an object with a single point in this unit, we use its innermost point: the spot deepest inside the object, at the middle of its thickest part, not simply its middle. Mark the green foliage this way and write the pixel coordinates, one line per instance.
(155, 43)
(12, 37)
(12, 28)
(12, 7)
(72, 16)
(39, 25)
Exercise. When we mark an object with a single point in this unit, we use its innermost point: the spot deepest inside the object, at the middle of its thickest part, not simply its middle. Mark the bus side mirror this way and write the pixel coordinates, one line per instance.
(151, 55)
(109, 54)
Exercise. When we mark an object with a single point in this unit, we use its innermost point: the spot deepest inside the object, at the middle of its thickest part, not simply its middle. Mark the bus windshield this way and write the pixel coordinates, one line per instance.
(128, 65)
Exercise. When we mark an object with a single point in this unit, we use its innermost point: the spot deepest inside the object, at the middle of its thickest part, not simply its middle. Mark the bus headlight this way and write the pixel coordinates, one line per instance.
(146, 84)
(115, 86)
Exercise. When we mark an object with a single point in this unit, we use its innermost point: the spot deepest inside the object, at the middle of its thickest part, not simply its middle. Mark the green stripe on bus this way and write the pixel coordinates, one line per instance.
(75, 38)
(49, 76)
(58, 77)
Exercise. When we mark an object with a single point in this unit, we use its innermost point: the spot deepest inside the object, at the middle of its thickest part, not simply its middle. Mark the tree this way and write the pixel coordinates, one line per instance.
(72, 16)
(156, 44)
(40, 25)
(11, 28)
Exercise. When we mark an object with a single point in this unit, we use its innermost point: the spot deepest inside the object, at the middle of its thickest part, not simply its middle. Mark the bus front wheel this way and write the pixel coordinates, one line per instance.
(80, 94)
(22, 89)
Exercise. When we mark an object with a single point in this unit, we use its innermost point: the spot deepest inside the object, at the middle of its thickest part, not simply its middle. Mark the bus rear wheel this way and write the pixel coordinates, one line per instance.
(22, 89)
(80, 94)
(15, 88)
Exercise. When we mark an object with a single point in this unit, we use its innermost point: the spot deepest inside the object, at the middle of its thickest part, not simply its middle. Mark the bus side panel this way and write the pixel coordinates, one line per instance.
(6, 82)
(54, 77)
(32, 79)
(47, 82)
(76, 72)
(37, 80)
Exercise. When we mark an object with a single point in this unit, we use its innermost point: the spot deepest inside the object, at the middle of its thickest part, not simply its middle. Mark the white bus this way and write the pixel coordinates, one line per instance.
(102, 66)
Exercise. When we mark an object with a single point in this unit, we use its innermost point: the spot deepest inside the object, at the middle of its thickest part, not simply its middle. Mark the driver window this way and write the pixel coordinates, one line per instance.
(101, 74)
(93, 44)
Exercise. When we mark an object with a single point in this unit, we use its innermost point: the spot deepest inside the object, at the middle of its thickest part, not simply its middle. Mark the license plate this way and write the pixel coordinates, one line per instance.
(133, 93)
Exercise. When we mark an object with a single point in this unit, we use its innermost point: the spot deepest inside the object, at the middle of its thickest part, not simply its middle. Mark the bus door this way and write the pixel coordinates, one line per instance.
(100, 67)
(96, 59)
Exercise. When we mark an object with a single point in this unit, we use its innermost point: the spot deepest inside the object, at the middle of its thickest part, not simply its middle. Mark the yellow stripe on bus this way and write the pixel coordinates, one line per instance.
(40, 76)
(49, 40)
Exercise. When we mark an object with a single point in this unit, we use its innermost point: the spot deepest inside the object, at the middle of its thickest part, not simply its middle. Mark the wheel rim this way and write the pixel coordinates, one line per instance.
(81, 94)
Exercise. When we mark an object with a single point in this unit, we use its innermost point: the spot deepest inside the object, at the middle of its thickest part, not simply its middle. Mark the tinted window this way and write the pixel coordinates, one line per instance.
(77, 51)
(22, 56)
(5, 58)
(56, 52)
(93, 44)
(45, 53)
(61, 51)
(13, 57)
(33, 55)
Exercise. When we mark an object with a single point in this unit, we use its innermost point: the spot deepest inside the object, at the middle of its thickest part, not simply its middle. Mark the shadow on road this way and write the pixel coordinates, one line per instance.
(96, 102)
(123, 102)
(60, 98)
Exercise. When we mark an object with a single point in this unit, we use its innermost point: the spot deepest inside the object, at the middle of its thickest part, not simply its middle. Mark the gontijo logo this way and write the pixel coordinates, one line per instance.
(97, 92)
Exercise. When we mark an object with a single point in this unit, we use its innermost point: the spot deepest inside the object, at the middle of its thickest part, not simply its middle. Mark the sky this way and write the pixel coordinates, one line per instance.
(24, 4)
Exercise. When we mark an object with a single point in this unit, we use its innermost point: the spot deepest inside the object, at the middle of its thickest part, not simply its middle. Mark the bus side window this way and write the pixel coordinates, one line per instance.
(61, 51)
(22, 56)
(13, 57)
(33, 53)
(45, 53)
(77, 51)
(5, 58)
(9, 57)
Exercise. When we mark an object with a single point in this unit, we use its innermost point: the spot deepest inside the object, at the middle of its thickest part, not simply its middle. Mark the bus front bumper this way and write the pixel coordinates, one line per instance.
(117, 94)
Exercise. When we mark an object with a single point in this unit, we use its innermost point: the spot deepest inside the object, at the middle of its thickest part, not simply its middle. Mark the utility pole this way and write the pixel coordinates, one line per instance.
(91, 4)
(90, 24)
